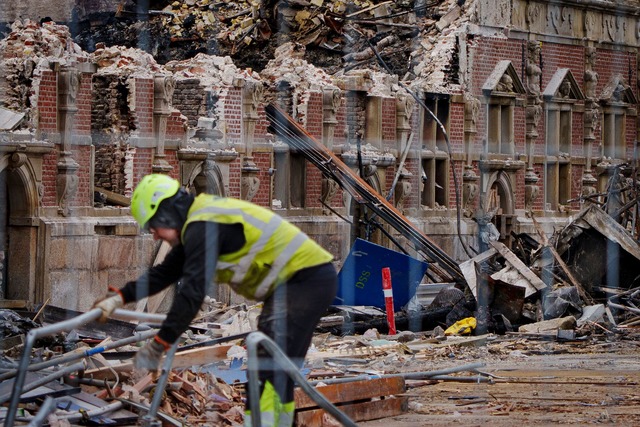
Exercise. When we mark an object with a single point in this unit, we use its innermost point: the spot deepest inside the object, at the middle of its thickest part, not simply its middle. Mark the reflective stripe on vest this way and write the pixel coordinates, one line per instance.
(268, 229)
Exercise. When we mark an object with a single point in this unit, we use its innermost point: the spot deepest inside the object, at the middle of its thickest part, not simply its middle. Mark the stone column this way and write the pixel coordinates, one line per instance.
(591, 118)
(470, 184)
(252, 92)
(331, 100)
(67, 178)
(533, 114)
(163, 88)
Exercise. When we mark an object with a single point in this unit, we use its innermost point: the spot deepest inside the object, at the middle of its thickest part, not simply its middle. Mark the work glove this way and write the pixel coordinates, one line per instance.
(149, 356)
(109, 304)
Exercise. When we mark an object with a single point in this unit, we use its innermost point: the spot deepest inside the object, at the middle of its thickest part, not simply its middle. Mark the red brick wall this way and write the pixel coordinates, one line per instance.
(232, 101)
(389, 123)
(576, 185)
(263, 161)
(608, 64)
(142, 161)
(82, 124)
(261, 126)
(48, 102)
(234, 178)
(175, 126)
(413, 200)
(84, 195)
(143, 106)
(49, 172)
(538, 203)
(313, 125)
(339, 132)
(456, 127)
(519, 196)
(313, 120)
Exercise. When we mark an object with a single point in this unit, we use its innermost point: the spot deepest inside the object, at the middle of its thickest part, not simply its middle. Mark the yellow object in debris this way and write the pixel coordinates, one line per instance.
(462, 327)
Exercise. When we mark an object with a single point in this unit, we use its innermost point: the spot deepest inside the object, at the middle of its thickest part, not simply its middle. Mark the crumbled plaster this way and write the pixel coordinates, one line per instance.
(27, 51)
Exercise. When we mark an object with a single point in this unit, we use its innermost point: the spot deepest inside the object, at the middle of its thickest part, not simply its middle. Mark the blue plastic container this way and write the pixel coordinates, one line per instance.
(360, 279)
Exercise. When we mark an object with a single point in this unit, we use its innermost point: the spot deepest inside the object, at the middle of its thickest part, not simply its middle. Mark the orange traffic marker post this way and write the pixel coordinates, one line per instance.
(388, 299)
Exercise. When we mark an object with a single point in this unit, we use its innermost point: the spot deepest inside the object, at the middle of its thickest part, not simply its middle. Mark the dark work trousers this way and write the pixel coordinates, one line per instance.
(289, 317)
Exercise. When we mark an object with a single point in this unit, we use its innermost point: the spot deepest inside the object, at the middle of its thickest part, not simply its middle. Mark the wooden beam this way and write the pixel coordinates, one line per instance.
(114, 198)
(352, 391)
(363, 411)
(185, 359)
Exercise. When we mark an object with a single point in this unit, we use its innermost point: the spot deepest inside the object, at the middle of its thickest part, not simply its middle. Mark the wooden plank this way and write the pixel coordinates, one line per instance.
(352, 391)
(114, 198)
(362, 411)
(185, 359)
(522, 268)
(13, 303)
(468, 269)
(545, 242)
(609, 228)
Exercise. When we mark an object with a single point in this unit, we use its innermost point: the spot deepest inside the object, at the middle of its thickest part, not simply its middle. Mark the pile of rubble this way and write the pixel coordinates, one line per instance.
(336, 34)
(545, 297)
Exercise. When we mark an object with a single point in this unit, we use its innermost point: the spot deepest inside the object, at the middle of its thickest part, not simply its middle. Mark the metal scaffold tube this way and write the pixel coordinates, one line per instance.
(331, 166)
(53, 329)
(256, 339)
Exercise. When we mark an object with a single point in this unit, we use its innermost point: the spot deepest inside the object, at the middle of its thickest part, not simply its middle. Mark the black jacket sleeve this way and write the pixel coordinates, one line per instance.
(194, 263)
(201, 249)
(156, 278)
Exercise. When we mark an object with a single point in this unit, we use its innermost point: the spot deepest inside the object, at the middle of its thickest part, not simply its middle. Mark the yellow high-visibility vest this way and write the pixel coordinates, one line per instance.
(274, 250)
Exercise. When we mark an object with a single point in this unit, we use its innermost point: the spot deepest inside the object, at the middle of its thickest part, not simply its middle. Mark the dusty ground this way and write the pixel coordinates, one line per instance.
(573, 384)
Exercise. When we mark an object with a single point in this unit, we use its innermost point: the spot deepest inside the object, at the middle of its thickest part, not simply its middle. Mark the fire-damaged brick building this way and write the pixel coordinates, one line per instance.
(536, 105)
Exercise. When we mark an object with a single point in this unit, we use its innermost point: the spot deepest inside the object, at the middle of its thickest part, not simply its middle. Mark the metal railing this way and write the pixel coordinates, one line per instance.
(256, 339)
(63, 326)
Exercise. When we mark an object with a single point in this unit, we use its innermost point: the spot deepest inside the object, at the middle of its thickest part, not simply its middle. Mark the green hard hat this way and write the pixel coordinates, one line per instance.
(147, 196)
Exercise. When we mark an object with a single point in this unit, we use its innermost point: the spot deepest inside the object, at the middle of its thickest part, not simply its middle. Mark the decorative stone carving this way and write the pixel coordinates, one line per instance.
(17, 160)
(471, 113)
(591, 119)
(531, 190)
(589, 186)
(533, 13)
(249, 186)
(163, 88)
(405, 104)
(329, 190)
(589, 23)
(66, 183)
(533, 115)
(402, 189)
(505, 84)
(66, 179)
(590, 75)
(331, 100)
(252, 93)
(470, 189)
(533, 70)
(614, 27)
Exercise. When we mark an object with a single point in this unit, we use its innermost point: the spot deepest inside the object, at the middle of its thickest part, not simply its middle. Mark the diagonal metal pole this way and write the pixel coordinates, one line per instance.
(256, 339)
(53, 329)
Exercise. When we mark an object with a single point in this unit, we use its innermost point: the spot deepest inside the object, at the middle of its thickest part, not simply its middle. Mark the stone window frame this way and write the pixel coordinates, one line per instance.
(617, 100)
(434, 162)
(562, 98)
(503, 91)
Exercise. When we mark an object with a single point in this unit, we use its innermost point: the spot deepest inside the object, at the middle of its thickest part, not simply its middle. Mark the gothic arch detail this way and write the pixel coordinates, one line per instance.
(207, 177)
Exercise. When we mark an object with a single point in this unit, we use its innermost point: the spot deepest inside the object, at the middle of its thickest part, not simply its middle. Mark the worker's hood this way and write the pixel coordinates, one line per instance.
(172, 212)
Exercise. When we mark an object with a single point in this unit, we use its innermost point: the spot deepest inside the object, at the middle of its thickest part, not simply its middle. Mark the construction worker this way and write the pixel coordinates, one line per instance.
(259, 254)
